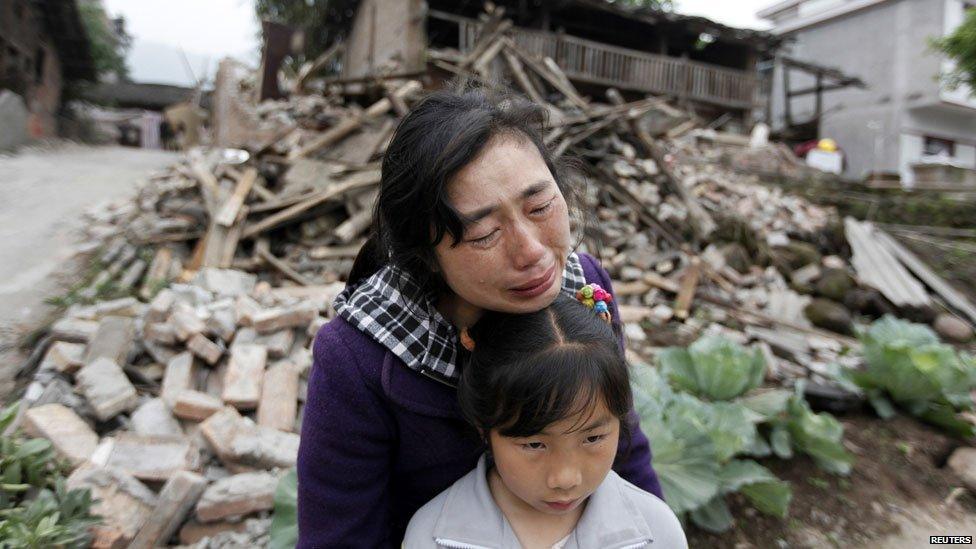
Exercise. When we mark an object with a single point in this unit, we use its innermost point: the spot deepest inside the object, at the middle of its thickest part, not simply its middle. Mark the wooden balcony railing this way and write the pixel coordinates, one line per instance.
(597, 63)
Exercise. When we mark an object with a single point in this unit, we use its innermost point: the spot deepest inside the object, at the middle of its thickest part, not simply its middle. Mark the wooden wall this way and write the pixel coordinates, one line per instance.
(386, 33)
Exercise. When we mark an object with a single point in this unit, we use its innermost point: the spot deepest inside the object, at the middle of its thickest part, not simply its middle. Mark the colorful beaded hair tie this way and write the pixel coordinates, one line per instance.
(596, 298)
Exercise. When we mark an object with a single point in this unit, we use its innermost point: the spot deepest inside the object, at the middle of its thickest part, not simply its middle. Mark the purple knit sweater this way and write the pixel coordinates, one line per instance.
(379, 440)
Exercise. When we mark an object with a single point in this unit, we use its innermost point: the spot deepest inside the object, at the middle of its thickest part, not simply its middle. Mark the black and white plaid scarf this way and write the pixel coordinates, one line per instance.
(392, 309)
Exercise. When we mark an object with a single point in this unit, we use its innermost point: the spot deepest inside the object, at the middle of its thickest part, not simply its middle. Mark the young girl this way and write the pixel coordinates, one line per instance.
(549, 392)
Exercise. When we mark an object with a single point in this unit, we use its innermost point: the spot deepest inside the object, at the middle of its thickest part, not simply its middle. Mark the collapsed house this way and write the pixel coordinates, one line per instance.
(696, 62)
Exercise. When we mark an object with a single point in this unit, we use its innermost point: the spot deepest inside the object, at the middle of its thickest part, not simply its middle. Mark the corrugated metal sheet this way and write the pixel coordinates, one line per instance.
(877, 267)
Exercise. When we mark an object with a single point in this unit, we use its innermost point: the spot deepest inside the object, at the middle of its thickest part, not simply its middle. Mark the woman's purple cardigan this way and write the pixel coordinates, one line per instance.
(379, 440)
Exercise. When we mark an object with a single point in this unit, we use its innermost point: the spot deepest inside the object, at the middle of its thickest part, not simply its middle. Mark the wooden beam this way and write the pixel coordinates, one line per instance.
(523, 80)
(262, 249)
(228, 212)
(352, 123)
(272, 221)
(687, 287)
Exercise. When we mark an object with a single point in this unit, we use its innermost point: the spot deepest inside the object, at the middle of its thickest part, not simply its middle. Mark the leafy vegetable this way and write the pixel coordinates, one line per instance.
(36, 508)
(928, 379)
(284, 523)
(713, 367)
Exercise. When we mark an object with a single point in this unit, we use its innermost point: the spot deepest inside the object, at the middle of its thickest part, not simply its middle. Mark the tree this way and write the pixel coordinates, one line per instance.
(960, 47)
(107, 38)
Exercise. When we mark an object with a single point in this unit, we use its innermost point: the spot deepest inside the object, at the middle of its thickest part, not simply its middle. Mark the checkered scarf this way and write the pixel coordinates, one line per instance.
(395, 311)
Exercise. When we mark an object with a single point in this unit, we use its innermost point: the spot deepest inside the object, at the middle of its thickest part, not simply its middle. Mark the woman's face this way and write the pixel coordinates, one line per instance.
(516, 239)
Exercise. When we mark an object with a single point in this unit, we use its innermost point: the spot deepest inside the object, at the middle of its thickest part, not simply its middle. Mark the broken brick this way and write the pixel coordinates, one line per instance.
(65, 357)
(237, 495)
(297, 316)
(124, 503)
(196, 405)
(179, 377)
(153, 458)
(185, 321)
(154, 418)
(113, 340)
(70, 436)
(209, 351)
(107, 388)
(245, 371)
(279, 397)
(178, 496)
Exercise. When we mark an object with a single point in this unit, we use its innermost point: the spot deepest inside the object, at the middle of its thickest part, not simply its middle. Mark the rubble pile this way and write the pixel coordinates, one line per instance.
(197, 394)
(180, 403)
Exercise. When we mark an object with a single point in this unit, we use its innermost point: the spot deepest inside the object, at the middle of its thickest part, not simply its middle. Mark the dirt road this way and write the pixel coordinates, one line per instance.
(43, 194)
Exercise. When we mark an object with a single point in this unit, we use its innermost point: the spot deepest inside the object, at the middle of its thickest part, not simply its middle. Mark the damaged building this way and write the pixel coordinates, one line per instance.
(696, 62)
(42, 46)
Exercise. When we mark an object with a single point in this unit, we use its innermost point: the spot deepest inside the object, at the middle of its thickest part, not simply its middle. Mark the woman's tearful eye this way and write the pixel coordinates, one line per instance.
(484, 240)
(544, 207)
(533, 445)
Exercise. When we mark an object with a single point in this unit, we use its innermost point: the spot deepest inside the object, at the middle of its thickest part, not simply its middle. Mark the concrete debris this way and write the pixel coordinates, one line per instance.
(71, 437)
(237, 495)
(178, 496)
(107, 388)
(124, 503)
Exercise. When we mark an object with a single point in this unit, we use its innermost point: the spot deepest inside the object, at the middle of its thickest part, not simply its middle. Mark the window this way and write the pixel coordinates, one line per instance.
(935, 146)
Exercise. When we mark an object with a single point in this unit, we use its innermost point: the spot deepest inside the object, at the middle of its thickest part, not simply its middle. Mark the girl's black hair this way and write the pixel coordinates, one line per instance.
(441, 135)
(528, 371)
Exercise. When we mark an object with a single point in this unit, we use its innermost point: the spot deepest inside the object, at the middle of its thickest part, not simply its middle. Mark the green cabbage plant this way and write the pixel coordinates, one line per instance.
(906, 363)
(714, 367)
(696, 444)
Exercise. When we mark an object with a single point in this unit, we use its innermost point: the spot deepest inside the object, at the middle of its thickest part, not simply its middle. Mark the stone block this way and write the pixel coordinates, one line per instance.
(237, 495)
(279, 397)
(106, 388)
(65, 357)
(185, 321)
(180, 375)
(245, 309)
(237, 440)
(124, 503)
(193, 531)
(245, 371)
(296, 316)
(113, 340)
(153, 458)
(159, 307)
(126, 306)
(222, 323)
(159, 332)
(154, 418)
(178, 497)
(196, 405)
(70, 436)
(207, 350)
(73, 330)
(278, 343)
(225, 282)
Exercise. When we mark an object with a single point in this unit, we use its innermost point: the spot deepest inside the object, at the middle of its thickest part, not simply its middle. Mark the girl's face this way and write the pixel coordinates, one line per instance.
(514, 248)
(555, 471)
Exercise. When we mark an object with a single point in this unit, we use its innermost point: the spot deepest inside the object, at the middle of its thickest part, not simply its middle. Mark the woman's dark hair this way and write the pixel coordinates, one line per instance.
(528, 371)
(441, 135)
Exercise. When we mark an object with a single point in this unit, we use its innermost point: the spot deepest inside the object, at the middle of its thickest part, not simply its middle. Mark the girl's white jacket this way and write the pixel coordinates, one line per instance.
(618, 515)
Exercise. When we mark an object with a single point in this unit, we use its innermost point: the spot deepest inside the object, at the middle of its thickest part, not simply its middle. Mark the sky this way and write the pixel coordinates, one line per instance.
(205, 31)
